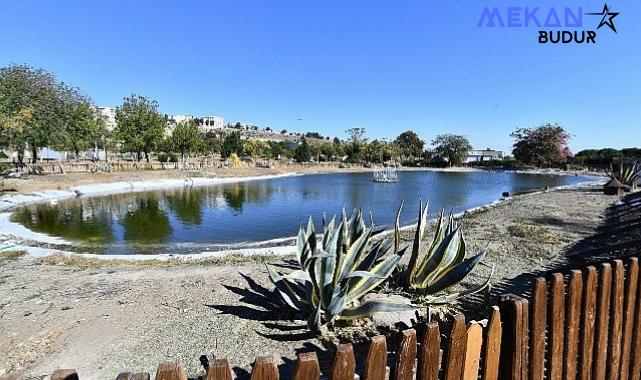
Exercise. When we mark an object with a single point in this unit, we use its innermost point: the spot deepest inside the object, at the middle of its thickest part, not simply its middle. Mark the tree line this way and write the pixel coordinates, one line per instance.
(38, 111)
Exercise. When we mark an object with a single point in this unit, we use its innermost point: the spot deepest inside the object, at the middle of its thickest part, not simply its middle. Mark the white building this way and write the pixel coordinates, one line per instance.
(478, 155)
(177, 119)
(109, 114)
(210, 123)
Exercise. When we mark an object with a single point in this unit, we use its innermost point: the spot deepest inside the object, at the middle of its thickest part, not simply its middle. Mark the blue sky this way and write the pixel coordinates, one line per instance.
(387, 66)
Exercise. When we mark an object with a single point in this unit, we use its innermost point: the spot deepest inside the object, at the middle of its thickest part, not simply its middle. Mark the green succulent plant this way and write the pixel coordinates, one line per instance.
(444, 264)
(627, 173)
(338, 271)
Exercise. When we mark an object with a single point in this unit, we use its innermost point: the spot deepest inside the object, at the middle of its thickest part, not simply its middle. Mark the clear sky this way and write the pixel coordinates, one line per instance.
(387, 66)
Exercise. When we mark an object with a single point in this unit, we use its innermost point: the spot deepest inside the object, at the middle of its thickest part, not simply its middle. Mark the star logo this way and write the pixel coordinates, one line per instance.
(606, 18)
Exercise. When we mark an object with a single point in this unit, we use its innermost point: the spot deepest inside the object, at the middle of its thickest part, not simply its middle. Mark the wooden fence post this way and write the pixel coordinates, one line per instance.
(632, 280)
(573, 323)
(405, 356)
(510, 363)
(602, 321)
(376, 361)
(616, 322)
(588, 318)
(265, 368)
(635, 355)
(219, 370)
(492, 350)
(307, 367)
(64, 374)
(171, 371)
(556, 316)
(537, 328)
(453, 357)
(471, 360)
(344, 364)
(430, 353)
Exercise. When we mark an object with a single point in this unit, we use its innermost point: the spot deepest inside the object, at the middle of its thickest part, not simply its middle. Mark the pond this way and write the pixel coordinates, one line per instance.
(194, 219)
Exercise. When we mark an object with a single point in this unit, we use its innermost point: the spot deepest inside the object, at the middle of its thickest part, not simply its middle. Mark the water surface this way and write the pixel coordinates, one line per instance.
(192, 219)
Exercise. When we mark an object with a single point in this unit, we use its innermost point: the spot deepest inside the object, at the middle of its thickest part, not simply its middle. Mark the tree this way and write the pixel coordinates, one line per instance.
(140, 126)
(84, 127)
(212, 143)
(32, 110)
(375, 151)
(410, 144)
(231, 144)
(303, 152)
(185, 139)
(453, 148)
(255, 148)
(542, 146)
(356, 137)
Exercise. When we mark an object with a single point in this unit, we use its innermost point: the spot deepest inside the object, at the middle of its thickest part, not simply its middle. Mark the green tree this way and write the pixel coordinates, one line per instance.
(84, 127)
(255, 148)
(357, 137)
(185, 139)
(232, 143)
(411, 145)
(542, 146)
(303, 152)
(453, 148)
(140, 126)
(375, 151)
(32, 110)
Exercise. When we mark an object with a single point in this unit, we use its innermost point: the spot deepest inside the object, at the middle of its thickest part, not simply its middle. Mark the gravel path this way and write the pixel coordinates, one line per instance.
(103, 319)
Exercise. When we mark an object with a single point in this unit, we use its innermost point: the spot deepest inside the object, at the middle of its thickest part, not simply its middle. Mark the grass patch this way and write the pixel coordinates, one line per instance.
(83, 262)
(12, 255)
(533, 233)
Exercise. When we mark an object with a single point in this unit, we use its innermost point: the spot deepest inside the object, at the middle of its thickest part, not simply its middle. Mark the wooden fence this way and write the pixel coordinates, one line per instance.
(582, 324)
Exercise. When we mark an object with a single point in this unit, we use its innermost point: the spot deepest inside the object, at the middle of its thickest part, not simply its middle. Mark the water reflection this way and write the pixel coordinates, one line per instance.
(88, 221)
(187, 205)
(146, 221)
(267, 209)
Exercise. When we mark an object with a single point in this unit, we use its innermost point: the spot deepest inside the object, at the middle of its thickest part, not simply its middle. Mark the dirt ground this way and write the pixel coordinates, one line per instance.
(106, 318)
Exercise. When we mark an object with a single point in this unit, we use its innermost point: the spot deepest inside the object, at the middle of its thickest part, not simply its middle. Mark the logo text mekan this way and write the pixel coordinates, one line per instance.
(556, 20)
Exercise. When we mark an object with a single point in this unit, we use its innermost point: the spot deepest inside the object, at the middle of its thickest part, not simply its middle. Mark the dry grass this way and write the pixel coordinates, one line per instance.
(12, 255)
(83, 262)
(532, 233)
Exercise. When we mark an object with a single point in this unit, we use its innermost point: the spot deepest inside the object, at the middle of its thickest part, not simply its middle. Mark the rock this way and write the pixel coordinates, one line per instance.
(406, 317)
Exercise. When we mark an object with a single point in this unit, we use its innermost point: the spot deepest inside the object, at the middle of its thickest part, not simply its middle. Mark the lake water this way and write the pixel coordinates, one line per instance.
(193, 219)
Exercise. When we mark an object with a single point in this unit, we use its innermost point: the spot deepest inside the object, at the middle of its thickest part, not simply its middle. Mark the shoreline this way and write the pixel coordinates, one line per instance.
(272, 247)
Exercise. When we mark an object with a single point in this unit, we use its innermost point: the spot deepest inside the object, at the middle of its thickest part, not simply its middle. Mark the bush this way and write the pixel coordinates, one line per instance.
(167, 157)
(503, 164)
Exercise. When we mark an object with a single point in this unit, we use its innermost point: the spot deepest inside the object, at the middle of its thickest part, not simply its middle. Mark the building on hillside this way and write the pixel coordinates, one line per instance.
(210, 123)
(109, 114)
(479, 155)
(177, 119)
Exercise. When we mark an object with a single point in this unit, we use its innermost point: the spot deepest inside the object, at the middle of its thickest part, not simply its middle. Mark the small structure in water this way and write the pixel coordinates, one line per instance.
(388, 175)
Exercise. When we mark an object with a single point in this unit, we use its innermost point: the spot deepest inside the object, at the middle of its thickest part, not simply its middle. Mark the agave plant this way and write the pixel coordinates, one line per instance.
(443, 265)
(338, 271)
(628, 173)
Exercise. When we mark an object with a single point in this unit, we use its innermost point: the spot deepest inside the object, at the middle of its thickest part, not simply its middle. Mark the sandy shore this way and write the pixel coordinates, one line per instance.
(106, 317)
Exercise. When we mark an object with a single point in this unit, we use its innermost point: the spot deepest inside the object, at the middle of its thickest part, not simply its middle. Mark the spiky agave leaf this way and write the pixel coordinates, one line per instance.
(416, 247)
(444, 264)
(371, 307)
(337, 273)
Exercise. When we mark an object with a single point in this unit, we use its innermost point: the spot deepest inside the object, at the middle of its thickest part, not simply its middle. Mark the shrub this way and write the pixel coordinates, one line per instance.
(167, 157)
